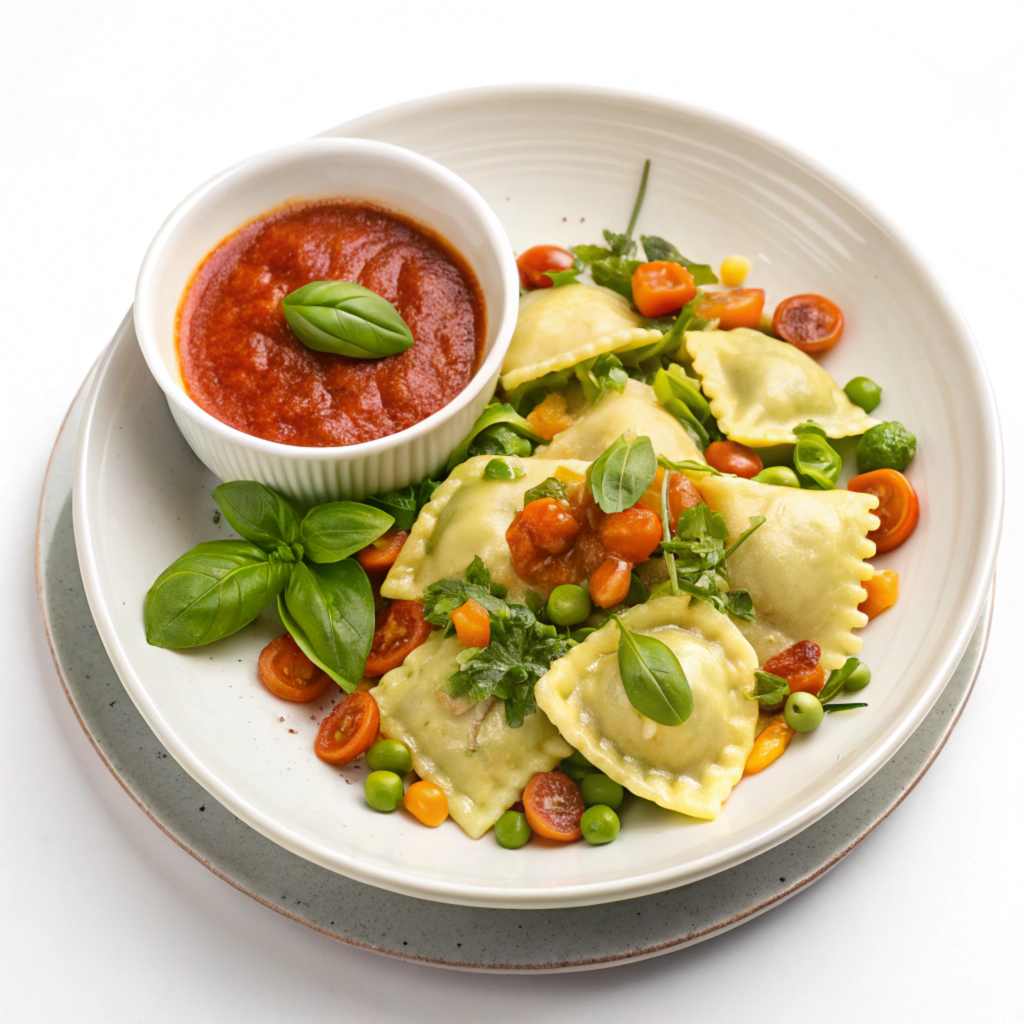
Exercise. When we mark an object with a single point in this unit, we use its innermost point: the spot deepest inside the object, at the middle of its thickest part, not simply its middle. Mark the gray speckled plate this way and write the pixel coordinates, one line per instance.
(426, 932)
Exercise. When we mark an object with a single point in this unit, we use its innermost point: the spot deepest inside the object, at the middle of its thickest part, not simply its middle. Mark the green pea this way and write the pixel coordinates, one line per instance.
(863, 391)
(780, 476)
(599, 789)
(858, 678)
(568, 605)
(803, 711)
(389, 756)
(886, 446)
(577, 767)
(637, 591)
(383, 790)
(512, 830)
(577, 758)
(600, 824)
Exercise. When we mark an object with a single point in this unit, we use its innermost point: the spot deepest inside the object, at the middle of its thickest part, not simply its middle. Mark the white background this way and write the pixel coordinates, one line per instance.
(111, 112)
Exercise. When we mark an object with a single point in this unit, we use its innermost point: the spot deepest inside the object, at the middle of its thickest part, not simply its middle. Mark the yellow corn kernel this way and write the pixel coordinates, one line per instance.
(734, 271)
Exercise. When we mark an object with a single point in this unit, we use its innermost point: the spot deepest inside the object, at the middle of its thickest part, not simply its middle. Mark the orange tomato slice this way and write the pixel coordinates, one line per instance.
(898, 508)
(348, 730)
(739, 308)
(287, 673)
(383, 552)
(399, 629)
(554, 806)
(810, 323)
(661, 287)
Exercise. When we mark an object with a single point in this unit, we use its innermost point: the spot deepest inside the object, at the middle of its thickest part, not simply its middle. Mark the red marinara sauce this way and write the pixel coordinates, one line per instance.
(241, 362)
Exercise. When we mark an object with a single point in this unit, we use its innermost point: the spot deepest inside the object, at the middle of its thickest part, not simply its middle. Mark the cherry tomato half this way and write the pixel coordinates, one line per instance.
(348, 730)
(609, 582)
(554, 806)
(535, 263)
(287, 673)
(633, 534)
(733, 457)
(739, 308)
(898, 508)
(800, 666)
(383, 552)
(811, 323)
(662, 287)
(399, 629)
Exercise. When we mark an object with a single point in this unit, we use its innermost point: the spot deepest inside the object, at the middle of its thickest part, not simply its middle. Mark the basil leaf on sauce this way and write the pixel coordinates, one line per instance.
(622, 473)
(328, 609)
(258, 514)
(338, 529)
(213, 590)
(347, 319)
(652, 677)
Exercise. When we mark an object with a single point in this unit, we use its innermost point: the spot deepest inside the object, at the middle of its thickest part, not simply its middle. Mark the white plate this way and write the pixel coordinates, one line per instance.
(558, 165)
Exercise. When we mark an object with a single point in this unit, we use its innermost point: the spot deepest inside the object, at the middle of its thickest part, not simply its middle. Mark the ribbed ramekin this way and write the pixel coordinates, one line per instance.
(359, 169)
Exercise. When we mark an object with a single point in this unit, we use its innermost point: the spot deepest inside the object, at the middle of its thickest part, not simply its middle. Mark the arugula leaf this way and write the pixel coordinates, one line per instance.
(676, 398)
(601, 376)
(837, 679)
(559, 278)
(620, 245)
(621, 474)
(658, 249)
(440, 599)
(591, 253)
(687, 466)
(499, 430)
(550, 488)
(770, 690)
(615, 272)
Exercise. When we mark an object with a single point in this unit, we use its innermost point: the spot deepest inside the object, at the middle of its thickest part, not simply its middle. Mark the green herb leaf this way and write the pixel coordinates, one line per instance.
(499, 469)
(770, 690)
(676, 398)
(440, 599)
(837, 679)
(400, 505)
(347, 319)
(619, 477)
(559, 278)
(550, 488)
(258, 514)
(658, 249)
(495, 416)
(588, 254)
(620, 245)
(832, 708)
(338, 529)
(652, 677)
(816, 462)
(329, 611)
(615, 272)
(212, 591)
(601, 376)
(687, 466)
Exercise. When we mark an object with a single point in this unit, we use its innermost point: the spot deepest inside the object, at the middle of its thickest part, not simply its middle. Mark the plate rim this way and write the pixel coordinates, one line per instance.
(587, 892)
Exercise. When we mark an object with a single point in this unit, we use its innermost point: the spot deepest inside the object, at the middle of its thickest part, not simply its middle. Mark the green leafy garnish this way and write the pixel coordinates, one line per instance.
(816, 462)
(615, 272)
(601, 376)
(440, 599)
(658, 249)
(770, 690)
(837, 679)
(559, 278)
(404, 505)
(832, 708)
(621, 474)
(687, 466)
(550, 488)
(260, 515)
(679, 398)
(588, 254)
(499, 430)
(499, 469)
(338, 529)
(652, 677)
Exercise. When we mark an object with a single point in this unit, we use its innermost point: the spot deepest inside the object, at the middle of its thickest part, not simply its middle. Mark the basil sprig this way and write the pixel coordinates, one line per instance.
(770, 689)
(347, 319)
(323, 595)
(652, 677)
(499, 430)
(404, 505)
(621, 474)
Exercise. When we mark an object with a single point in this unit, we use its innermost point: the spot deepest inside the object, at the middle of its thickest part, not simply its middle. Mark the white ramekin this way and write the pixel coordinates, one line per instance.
(391, 177)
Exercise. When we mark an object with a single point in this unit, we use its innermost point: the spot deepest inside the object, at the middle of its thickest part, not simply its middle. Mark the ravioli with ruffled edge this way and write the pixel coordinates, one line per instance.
(469, 515)
(689, 768)
(560, 327)
(803, 567)
(468, 750)
(760, 388)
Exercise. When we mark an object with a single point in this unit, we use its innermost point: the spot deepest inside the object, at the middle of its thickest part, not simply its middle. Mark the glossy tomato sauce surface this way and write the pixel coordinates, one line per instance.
(241, 362)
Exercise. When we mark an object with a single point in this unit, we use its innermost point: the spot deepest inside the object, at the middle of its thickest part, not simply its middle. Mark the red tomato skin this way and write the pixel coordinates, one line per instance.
(537, 260)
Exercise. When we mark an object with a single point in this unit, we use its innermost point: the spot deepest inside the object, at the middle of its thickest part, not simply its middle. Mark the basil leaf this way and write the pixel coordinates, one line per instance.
(258, 514)
(620, 245)
(347, 319)
(601, 376)
(622, 473)
(675, 397)
(559, 278)
(211, 592)
(499, 469)
(687, 466)
(837, 679)
(652, 677)
(497, 413)
(770, 689)
(817, 463)
(338, 529)
(658, 249)
(401, 505)
(329, 611)
(550, 488)
(615, 272)
(591, 253)
(637, 591)
(739, 603)
(832, 708)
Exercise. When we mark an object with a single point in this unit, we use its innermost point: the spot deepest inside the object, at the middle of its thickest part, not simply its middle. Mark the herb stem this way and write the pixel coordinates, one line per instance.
(670, 559)
(755, 522)
(639, 199)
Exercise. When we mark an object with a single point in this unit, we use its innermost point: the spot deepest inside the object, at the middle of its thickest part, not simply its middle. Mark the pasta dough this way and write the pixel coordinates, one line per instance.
(468, 516)
(560, 327)
(804, 567)
(759, 388)
(637, 409)
(480, 783)
(689, 768)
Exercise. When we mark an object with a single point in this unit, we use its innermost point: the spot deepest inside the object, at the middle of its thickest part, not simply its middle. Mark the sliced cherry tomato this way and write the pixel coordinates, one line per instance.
(661, 287)
(426, 802)
(811, 323)
(550, 524)
(741, 307)
(399, 629)
(383, 552)
(554, 806)
(898, 508)
(472, 624)
(535, 263)
(632, 534)
(348, 730)
(287, 673)
(800, 666)
(609, 583)
(733, 457)
(681, 495)
(882, 589)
